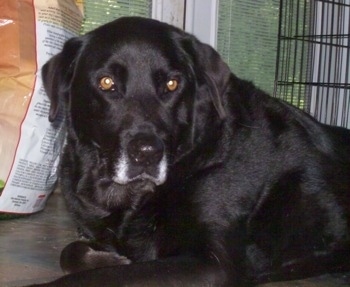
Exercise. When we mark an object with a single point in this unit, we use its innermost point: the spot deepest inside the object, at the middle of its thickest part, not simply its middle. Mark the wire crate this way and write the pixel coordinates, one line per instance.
(313, 58)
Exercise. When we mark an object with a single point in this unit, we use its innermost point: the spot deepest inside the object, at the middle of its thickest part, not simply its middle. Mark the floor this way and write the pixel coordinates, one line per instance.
(30, 248)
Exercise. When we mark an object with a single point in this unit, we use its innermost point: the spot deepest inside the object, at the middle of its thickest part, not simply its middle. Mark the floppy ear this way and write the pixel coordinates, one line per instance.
(57, 74)
(212, 72)
(212, 79)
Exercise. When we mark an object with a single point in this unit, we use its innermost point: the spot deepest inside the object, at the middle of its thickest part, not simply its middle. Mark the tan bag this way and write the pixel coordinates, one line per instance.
(31, 31)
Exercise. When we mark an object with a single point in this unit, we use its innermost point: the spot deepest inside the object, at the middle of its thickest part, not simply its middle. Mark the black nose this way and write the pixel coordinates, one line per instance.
(145, 150)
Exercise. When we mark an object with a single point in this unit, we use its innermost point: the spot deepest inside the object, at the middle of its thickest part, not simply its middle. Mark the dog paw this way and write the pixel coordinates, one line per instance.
(79, 256)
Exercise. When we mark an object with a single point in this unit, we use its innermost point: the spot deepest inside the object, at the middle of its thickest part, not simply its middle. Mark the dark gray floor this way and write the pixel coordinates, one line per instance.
(30, 248)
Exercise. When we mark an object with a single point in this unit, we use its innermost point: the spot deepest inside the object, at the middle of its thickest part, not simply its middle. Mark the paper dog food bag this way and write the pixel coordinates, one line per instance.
(31, 31)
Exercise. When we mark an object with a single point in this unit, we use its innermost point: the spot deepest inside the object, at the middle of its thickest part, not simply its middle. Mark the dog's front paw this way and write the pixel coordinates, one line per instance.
(80, 255)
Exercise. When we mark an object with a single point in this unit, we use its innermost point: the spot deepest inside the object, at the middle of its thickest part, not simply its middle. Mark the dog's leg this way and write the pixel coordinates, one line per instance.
(167, 273)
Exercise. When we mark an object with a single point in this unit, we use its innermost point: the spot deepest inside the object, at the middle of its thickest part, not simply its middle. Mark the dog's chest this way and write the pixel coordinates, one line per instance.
(143, 235)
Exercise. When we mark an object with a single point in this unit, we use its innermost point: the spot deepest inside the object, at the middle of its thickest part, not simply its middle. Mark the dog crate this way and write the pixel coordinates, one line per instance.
(313, 58)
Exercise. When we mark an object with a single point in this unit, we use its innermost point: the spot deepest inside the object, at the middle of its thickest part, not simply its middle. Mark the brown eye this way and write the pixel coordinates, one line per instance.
(106, 84)
(172, 85)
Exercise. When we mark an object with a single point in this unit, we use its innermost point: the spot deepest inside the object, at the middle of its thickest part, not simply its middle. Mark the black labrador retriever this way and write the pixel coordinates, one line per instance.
(181, 174)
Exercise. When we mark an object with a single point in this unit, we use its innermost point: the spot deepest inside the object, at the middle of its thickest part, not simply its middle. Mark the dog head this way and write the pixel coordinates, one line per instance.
(144, 93)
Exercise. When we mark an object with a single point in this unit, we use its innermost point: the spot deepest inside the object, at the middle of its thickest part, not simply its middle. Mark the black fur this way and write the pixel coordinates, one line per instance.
(212, 184)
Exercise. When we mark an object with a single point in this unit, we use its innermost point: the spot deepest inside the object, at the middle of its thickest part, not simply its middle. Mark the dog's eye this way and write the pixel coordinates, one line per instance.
(106, 84)
(172, 85)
